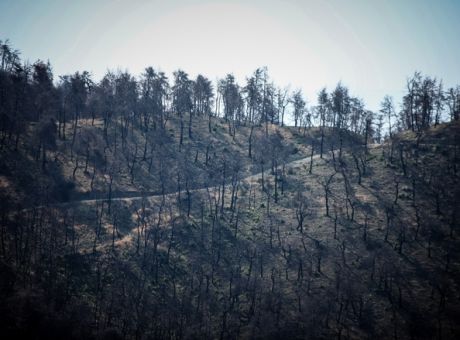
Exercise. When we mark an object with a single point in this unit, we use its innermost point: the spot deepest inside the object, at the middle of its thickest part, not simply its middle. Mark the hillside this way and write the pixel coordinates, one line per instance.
(226, 170)
(143, 237)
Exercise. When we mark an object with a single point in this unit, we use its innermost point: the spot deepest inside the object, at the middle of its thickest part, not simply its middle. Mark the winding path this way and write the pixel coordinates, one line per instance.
(247, 179)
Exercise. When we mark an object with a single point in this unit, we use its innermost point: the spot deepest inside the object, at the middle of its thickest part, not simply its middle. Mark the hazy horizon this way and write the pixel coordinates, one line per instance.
(372, 48)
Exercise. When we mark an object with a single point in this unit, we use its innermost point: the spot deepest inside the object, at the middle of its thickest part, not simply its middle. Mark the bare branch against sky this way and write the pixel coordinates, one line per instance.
(372, 46)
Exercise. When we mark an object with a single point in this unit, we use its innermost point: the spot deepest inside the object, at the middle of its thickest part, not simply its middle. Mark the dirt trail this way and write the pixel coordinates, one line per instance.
(248, 179)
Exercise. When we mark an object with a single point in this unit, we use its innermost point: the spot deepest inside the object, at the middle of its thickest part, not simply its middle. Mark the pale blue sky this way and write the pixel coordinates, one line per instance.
(372, 46)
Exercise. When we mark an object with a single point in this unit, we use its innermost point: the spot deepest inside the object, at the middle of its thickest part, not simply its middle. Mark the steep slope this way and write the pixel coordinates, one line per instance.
(361, 242)
(142, 161)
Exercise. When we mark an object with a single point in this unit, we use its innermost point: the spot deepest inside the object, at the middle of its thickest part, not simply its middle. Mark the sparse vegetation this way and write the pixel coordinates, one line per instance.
(133, 209)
